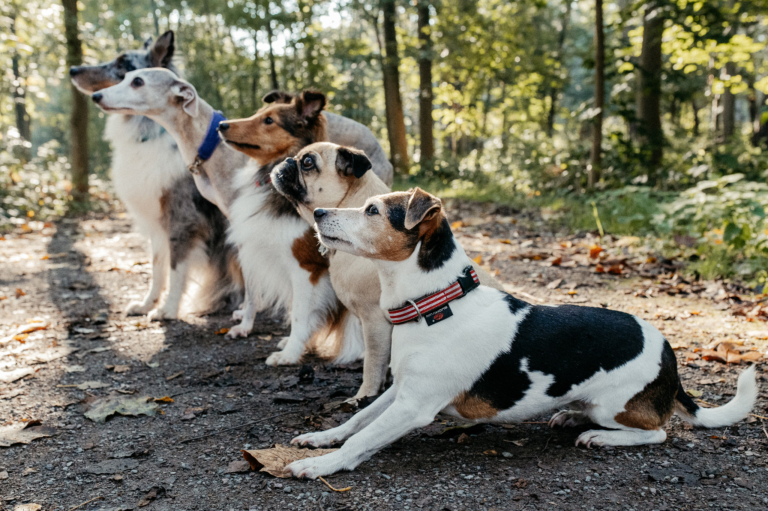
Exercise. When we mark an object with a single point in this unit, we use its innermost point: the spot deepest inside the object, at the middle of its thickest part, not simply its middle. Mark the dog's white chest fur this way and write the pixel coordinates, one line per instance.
(141, 171)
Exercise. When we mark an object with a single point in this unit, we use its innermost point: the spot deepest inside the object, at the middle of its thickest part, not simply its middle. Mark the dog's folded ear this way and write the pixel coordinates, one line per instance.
(352, 162)
(187, 95)
(161, 53)
(421, 207)
(309, 104)
(277, 96)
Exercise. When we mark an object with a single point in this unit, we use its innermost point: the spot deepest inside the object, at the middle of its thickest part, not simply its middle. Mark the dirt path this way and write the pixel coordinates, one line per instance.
(79, 276)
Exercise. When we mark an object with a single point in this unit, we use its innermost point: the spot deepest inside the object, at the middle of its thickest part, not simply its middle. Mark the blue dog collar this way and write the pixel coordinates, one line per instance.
(210, 142)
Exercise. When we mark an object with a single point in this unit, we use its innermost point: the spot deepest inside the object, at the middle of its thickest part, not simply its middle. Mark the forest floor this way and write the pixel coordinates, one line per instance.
(77, 276)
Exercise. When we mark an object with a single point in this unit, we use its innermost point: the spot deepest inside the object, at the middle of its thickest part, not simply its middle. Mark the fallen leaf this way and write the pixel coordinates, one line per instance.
(164, 399)
(594, 251)
(29, 470)
(478, 259)
(678, 345)
(554, 284)
(24, 433)
(490, 452)
(557, 262)
(463, 439)
(88, 385)
(267, 337)
(74, 369)
(506, 242)
(573, 292)
(273, 461)
(20, 292)
(457, 225)
(221, 331)
(12, 376)
(599, 269)
(174, 376)
(28, 507)
(153, 494)
(237, 467)
(103, 408)
(121, 369)
(694, 393)
(615, 269)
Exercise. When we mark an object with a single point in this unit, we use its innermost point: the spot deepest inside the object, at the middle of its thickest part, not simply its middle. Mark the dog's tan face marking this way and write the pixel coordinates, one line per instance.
(278, 129)
(306, 251)
(321, 175)
(473, 407)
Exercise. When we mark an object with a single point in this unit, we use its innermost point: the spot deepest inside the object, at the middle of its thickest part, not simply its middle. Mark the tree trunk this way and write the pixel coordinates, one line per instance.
(398, 145)
(20, 103)
(649, 86)
(78, 121)
(272, 68)
(752, 100)
(427, 139)
(729, 103)
(554, 90)
(695, 109)
(156, 21)
(597, 127)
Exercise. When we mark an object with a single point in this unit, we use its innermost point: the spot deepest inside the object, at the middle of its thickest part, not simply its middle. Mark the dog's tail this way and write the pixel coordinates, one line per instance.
(221, 284)
(730, 413)
(341, 338)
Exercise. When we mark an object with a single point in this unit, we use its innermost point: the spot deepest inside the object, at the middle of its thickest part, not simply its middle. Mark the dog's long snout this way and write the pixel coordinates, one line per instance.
(74, 70)
(223, 126)
(97, 98)
(320, 213)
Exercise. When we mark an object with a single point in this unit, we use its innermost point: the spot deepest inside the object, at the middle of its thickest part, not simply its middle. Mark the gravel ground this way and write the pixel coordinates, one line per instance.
(80, 275)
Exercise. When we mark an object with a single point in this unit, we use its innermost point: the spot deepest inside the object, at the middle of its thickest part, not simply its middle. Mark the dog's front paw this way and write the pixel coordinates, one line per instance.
(238, 315)
(137, 309)
(283, 358)
(160, 314)
(319, 439)
(312, 468)
(238, 331)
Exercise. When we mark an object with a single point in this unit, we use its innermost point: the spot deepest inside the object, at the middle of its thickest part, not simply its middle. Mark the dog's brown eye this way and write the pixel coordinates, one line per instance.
(372, 210)
(308, 162)
(268, 120)
(137, 82)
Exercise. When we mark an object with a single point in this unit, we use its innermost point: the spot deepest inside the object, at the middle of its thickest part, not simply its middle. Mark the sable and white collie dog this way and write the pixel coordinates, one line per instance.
(187, 233)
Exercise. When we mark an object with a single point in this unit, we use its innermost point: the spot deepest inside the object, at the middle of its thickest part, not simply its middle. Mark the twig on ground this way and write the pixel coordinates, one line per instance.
(86, 503)
(235, 427)
(547, 444)
(335, 489)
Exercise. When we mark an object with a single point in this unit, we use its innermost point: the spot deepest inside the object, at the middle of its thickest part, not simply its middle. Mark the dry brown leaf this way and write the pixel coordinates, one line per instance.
(599, 268)
(457, 225)
(20, 292)
(594, 251)
(28, 507)
(557, 262)
(24, 433)
(164, 399)
(615, 269)
(506, 242)
(478, 259)
(554, 284)
(273, 461)
(678, 345)
(221, 331)
(121, 369)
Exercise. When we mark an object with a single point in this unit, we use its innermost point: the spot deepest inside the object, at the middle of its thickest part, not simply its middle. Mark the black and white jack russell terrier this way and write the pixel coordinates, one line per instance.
(471, 351)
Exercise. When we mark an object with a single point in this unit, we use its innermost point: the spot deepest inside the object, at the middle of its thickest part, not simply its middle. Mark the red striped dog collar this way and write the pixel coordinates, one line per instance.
(417, 309)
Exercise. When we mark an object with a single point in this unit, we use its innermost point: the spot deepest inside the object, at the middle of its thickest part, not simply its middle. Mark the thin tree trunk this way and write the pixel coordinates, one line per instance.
(649, 86)
(555, 91)
(597, 127)
(426, 123)
(78, 123)
(255, 75)
(752, 100)
(695, 109)
(153, 3)
(729, 103)
(398, 144)
(20, 103)
(272, 68)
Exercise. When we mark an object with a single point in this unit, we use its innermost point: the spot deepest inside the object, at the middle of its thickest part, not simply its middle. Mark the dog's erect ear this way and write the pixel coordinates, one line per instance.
(162, 51)
(421, 206)
(352, 162)
(310, 104)
(277, 96)
(148, 42)
(187, 95)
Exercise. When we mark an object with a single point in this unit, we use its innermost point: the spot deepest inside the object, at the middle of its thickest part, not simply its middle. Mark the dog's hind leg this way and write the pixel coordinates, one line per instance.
(160, 263)
(618, 437)
(359, 421)
(377, 332)
(403, 416)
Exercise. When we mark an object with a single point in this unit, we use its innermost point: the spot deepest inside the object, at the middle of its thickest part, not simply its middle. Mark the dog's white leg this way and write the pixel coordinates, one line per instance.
(400, 418)
(247, 316)
(305, 318)
(176, 287)
(238, 314)
(569, 419)
(618, 438)
(360, 420)
(377, 332)
(160, 265)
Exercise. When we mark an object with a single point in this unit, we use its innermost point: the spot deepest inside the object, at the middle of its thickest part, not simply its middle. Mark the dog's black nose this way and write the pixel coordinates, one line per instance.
(97, 98)
(223, 126)
(74, 71)
(320, 213)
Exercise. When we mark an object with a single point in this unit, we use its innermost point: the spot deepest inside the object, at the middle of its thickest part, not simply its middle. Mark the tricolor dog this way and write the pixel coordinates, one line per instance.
(327, 175)
(478, 353)
(151, 179)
